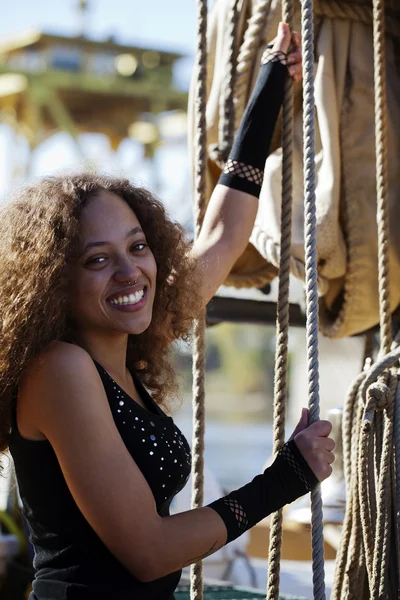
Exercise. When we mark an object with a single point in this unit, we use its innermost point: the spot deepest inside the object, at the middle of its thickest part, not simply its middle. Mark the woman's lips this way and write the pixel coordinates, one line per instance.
(130, 307)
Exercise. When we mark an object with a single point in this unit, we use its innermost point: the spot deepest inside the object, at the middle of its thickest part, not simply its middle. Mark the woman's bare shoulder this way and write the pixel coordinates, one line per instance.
(60, 371)
(57, 362)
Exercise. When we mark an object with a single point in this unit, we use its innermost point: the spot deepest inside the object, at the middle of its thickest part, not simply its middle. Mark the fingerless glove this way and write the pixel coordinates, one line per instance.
(288, 478)
(244, 169)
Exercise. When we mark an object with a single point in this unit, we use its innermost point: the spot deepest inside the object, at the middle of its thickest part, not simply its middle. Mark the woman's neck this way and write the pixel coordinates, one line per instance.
(109, 351)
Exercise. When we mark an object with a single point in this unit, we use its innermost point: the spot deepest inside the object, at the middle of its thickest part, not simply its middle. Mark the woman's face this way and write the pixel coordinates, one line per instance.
(113, 281)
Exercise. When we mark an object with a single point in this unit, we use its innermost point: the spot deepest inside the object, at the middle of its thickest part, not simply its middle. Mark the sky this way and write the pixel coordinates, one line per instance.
(163, 24)
(169, 24)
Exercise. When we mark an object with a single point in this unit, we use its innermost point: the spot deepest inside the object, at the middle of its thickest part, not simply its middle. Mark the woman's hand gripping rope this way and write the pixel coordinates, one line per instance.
(315, 445)
(287, 48)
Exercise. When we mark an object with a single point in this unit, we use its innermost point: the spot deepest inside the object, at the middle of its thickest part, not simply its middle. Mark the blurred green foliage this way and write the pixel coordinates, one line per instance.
(240, 366)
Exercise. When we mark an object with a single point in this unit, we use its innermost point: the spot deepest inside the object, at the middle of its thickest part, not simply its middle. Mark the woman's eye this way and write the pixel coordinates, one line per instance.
(138, 247)
(97, 260)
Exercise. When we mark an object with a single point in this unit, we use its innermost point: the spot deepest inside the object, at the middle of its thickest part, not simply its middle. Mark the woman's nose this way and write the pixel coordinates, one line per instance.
(127, 272)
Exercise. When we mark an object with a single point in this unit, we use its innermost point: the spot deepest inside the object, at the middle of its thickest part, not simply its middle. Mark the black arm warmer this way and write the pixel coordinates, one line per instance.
(288, 478)
(244, 169)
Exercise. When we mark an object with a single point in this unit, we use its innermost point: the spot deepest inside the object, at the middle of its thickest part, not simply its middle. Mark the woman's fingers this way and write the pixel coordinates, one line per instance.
(329, 444)
(294, 57)
(283, 39)
(316, 447)
(302, 424)
(329, 457)
(295, 70)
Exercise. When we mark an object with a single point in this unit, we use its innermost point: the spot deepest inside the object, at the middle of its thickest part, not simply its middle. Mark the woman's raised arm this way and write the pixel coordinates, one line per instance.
(232, 209)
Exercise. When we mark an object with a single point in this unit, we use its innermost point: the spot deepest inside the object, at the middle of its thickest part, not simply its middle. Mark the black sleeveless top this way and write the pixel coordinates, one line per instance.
(71, 562)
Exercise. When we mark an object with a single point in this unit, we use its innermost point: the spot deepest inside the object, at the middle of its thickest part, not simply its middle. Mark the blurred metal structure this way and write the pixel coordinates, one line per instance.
(50, 83)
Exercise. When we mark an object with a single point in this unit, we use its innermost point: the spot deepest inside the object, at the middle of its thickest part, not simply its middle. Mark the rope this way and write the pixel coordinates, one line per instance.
(362, 565)
(283, 307)
(226, 124)
(196, 580)
(253, 39)
(397, 473)
(382, 173)
(311, 279)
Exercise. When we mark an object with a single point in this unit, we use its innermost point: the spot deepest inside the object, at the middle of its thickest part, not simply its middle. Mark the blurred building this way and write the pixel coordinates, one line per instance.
(51, 82)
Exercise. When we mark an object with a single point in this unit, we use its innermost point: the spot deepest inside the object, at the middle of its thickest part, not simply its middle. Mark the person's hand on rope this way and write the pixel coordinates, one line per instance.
(287, 45)
(315, 445)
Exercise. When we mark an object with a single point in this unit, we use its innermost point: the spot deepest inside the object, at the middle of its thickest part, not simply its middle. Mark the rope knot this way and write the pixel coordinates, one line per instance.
(379, 396)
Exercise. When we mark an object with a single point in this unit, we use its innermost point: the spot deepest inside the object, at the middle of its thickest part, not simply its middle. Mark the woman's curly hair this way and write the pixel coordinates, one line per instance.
(39, 236)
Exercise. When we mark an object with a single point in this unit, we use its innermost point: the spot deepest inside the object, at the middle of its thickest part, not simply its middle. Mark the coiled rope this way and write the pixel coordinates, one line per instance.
(363, 566)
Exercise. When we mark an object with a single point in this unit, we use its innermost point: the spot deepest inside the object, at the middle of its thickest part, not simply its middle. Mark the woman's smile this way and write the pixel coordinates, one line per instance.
(116, 271)
(129, 300)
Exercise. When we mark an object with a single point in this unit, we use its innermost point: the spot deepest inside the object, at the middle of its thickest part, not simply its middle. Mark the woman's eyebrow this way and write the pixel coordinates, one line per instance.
(130, 233)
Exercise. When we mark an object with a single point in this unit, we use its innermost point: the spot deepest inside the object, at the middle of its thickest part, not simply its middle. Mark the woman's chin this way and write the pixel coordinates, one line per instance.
(138, 327)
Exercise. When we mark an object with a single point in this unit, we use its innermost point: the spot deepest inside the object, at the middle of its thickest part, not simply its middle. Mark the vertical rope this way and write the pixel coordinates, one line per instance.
(200, 140)
(382, 542)
(382, 173)
(226, 123)
(253, 39)
(196, 584)
(282, 322)
(307, 18)
(196, 572)
(397, 474)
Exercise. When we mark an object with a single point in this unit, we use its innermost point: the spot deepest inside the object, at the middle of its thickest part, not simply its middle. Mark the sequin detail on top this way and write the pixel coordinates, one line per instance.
(154, 441)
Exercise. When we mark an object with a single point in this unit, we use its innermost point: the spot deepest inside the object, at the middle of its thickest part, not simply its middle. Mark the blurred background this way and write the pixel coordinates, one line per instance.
(103, 85)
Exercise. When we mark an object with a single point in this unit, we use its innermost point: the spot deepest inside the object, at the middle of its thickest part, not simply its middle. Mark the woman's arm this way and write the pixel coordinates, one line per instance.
(64, 396)
(232, 209)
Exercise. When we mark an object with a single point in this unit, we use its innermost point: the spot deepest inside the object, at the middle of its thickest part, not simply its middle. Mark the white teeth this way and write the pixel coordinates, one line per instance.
(131, 299)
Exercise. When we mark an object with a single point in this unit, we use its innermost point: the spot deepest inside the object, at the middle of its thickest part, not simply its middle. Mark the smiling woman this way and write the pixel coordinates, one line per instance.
(59, 223)
(113, 282)
(96, 282)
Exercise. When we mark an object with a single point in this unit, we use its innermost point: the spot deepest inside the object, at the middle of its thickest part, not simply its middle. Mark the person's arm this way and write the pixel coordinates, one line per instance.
(232, 209)
(64, 396)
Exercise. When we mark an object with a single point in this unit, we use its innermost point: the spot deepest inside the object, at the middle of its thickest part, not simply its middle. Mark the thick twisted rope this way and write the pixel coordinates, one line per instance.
(376, 487)
(307, 30)
(253, 39)
(382, 543)
(362, 565)
(397, 473)
(226, 123)
(196, 584)
(283, 306)
(382, 173)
